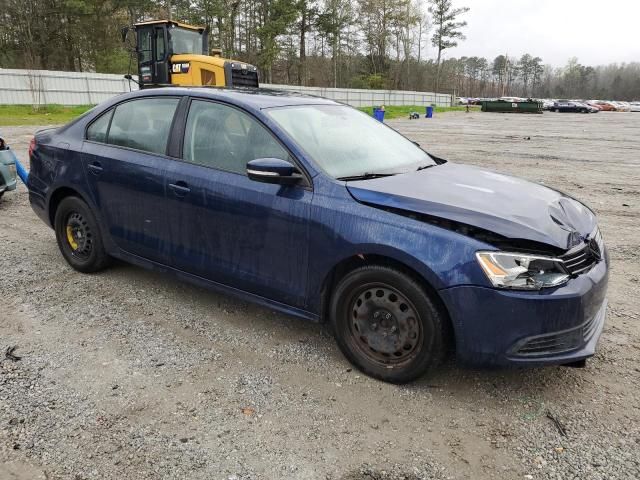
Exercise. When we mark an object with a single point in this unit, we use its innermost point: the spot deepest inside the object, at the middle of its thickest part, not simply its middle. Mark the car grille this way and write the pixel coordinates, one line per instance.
(244, 78)
(558, 342)
(581, 260)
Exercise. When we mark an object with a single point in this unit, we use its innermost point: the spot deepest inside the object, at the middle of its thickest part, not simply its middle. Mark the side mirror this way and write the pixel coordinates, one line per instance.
(273, 170)
(131, 79)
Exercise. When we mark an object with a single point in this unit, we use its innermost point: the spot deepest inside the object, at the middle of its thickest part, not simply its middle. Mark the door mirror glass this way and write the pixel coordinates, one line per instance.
(273, 170)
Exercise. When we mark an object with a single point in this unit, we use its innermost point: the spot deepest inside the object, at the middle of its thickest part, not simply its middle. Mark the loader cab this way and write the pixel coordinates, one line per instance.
(173, 53)
(158, 41)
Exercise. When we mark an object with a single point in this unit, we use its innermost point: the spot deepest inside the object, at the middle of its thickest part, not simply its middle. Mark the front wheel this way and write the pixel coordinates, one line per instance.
(386, 324)
(78, 236)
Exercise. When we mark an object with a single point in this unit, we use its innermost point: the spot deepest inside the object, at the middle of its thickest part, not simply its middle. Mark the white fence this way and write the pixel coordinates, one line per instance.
(367, 98)
(40, 87)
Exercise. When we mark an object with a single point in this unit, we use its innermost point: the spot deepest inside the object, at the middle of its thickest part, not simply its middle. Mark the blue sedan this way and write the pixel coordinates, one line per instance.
(315, 209)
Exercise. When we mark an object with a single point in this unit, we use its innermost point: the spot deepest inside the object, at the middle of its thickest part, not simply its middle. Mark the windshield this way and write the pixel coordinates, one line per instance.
(345, 142)
(186, 41)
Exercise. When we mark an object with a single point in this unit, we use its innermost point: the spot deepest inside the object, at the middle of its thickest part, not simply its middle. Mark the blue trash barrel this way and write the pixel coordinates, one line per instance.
(378, 114)
(429, 111)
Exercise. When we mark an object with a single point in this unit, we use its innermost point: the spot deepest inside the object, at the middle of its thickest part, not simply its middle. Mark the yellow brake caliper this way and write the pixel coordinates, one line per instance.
(70, 239)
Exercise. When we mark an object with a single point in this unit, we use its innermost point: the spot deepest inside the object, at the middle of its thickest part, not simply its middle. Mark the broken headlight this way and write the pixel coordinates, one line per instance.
(521, 271)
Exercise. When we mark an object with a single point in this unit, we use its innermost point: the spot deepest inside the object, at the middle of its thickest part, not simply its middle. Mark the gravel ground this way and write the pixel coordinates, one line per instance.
(129, 374)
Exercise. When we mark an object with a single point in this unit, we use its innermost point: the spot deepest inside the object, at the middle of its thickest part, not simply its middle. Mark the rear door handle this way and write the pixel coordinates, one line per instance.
(95, 168)
(180, 189)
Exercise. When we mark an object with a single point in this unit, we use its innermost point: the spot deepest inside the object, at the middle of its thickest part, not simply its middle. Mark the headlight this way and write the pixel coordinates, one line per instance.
(12, 170)
(522, 271)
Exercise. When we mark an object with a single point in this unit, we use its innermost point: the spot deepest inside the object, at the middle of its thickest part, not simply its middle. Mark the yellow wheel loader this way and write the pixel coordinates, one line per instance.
(171, 53)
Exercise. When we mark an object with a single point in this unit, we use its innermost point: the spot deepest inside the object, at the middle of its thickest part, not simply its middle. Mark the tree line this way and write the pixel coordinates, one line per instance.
(395, 44)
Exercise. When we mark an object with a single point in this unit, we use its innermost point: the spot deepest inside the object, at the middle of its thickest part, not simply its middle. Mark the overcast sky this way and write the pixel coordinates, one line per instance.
(597, 32)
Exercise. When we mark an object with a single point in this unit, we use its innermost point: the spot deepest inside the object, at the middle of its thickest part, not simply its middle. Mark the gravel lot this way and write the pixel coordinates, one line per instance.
(129, 374)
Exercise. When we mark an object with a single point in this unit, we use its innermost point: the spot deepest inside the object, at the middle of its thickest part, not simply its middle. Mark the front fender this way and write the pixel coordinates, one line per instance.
(342, 228)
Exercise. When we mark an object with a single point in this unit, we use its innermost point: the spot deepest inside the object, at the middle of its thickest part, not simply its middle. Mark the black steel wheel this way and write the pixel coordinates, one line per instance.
(386, 324)
(78, 236)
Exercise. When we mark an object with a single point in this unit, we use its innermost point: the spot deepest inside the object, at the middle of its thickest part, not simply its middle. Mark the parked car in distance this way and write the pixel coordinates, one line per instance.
(315, 209)
(626, 106)
(593, 108)
(8, 176)
(634, 106)
(621, 106)
(573, 107)
(512, 99)
(603, 106)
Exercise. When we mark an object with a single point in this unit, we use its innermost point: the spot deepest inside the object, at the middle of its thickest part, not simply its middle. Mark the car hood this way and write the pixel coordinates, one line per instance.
(505, 205)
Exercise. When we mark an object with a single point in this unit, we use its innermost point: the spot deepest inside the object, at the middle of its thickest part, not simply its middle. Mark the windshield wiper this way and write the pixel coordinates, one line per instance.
(365, 176)
(424, 167)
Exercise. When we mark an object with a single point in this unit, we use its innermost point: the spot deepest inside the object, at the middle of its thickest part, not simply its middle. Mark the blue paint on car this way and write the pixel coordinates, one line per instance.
(518, 271)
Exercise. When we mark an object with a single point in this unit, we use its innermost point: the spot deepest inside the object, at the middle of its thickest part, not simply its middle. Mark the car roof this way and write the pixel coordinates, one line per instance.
(258, 98)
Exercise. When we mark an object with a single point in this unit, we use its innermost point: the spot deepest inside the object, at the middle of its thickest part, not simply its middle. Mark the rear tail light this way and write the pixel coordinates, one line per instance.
(32, 146)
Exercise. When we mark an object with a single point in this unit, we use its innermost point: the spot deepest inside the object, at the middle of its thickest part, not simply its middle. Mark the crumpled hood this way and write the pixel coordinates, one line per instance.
(508, 206)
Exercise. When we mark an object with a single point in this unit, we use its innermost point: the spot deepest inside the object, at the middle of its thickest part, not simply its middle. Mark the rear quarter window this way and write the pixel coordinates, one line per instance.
(97, 131)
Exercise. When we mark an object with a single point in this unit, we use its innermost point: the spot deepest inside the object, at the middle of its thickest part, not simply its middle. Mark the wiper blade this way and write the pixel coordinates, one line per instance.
(424, 167)
(365, 176)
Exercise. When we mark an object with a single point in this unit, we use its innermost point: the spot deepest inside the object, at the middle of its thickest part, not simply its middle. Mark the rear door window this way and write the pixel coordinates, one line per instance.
(143, 124)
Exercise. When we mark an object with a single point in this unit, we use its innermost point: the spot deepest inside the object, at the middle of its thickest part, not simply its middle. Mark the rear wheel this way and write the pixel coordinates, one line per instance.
(386, 324)
(78, 236)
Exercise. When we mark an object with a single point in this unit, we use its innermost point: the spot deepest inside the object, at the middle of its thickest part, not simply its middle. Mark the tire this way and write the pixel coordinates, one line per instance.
(386, 324)
(78, 236)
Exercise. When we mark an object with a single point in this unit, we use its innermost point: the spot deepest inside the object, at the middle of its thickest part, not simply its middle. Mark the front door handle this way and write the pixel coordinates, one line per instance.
(95, 168)
(180, 189)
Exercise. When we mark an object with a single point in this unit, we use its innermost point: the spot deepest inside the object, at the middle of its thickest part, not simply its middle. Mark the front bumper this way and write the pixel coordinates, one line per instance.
(549, 327)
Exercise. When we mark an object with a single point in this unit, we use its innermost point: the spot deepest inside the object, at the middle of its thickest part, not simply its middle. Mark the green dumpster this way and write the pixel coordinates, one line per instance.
(503, 106)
